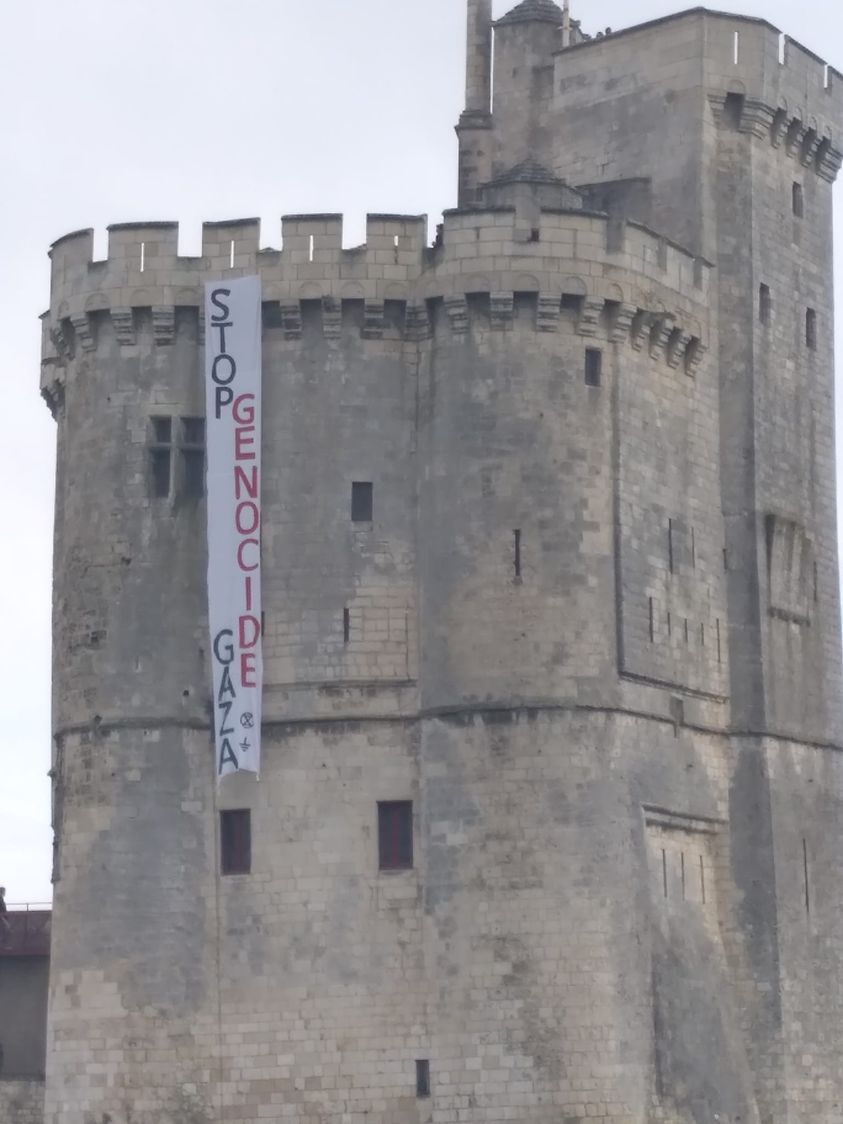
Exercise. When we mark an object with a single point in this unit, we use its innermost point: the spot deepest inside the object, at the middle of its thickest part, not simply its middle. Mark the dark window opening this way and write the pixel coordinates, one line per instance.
(811, 329)
(516, 535)
(593, 366)
(423, 1078)
(670, 557)
(362, 501)
(236, 841)
(346, 626)
(798, 201)
(765, 304)
(193, 456)
(395, 834)
(159, 460)
(805, 875)
(733, 110)
(160, 456)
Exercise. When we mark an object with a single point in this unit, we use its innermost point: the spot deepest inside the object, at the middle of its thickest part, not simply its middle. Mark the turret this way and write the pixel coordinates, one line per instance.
(474, 128)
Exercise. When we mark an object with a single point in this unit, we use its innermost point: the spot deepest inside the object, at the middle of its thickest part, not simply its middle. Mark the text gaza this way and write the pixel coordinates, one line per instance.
(246, 483)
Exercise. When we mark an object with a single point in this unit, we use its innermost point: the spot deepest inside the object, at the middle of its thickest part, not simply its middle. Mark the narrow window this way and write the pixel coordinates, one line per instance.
(702, 634)
(670, 545)
(516, 537)
(395, 834)
(236, 841)
(733, 110)
(142, 257)
(652, 622)
(362, 501)
(719, 654)
(160, 456)
(682, 858)
(816, 584)
(764, 304)
(423, 1078)
(702, 879)
(664, 871)
(669, 625)
(693, 549)
(805, 872)
(736, 48)
(193, 456)
(686, 631)
(593, 366)
(798, 201)
(311, 248)
(231, 255)
(811, 329)
(346, 625)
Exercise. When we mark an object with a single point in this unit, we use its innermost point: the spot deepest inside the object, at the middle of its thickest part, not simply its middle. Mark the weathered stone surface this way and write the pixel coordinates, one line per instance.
(592, 631)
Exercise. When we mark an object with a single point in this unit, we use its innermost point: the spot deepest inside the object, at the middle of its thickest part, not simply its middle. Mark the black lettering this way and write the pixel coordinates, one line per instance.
(228, 650)
(226, 706)
(227, 756)
(232, 370)
(221, 329)
(226, 686)
(224, 397)
(221, 305)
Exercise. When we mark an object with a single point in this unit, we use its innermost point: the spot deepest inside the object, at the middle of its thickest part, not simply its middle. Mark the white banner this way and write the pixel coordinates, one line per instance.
(233, 398)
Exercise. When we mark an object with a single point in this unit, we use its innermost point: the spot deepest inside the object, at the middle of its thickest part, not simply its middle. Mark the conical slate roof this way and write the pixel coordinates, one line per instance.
(528, 171)
(544, 11)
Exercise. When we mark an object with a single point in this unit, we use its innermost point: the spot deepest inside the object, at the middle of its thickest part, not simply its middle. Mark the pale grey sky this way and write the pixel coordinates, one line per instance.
(124, 110)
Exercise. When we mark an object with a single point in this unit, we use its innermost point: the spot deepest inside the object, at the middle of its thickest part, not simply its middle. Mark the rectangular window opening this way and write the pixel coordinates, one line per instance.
(423, 1078)
(693, 549)
(236, 841)
(736, 48)
(811, 329)
(652, 621)
(516, 536)
(719, 654)
(686, 631)
(193, 456)
(160, 456)
(231, 255)
(311, 248)
(670, 545)
(142, 256)
(682, 860)
(593, 366)
(798, 201)
(395, 834)
(816, 584)
(346, 626)
(702, 880)
(764, 304)
(702, 634)
(664, 871)
(805, 872)
(362, 501)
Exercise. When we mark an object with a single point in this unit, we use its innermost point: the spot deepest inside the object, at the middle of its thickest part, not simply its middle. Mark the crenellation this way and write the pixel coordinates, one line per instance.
(584, 637)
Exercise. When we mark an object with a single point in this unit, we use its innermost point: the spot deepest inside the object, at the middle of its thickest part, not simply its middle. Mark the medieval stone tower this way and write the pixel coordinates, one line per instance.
(550, 822)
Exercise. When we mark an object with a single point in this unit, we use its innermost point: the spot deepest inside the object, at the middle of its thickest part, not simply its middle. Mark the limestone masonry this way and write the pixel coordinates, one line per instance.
(551, 818)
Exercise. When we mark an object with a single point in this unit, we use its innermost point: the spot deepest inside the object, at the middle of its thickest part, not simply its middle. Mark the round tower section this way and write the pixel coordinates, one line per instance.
(557, 387)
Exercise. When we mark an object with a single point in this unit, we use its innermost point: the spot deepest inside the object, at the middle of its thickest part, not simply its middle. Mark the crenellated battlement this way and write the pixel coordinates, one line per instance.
(583, 256)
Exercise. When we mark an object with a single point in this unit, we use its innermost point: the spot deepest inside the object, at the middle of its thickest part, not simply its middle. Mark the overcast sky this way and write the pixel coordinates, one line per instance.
(127, 110)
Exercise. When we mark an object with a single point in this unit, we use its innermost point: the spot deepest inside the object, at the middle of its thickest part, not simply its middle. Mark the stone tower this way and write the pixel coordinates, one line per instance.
(551, 813)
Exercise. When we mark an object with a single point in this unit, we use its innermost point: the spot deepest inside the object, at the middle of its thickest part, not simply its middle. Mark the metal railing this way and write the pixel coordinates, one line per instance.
(25, 929)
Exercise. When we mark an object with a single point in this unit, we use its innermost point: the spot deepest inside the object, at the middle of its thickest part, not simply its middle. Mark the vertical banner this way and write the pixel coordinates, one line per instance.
(233, 426)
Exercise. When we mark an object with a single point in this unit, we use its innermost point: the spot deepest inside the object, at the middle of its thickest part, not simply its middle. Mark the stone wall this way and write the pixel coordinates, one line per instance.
(22, 1102)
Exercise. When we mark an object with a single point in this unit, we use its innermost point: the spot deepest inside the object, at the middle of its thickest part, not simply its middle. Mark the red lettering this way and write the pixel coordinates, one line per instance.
(242, 414)
(248, 669)
(244, 439)
(247, 480)
(246, 625)
(247, 512)
(241, 561)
